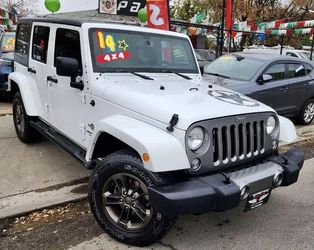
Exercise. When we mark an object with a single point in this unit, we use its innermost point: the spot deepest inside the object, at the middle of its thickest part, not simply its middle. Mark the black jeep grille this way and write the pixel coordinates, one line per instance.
(233, 140)
(240, 141)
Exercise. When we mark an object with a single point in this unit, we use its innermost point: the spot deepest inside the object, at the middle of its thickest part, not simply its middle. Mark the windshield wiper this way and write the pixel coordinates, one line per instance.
(134, 73)
(216, 74)
(178, 74)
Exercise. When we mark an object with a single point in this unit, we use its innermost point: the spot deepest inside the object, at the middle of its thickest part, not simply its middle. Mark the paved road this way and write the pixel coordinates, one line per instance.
(286, 222)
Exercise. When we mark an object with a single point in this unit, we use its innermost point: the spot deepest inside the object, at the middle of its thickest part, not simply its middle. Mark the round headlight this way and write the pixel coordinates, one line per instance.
(196, 138)
(271, 125)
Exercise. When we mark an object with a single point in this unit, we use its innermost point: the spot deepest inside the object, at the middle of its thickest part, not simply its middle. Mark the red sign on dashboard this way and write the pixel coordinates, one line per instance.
(158, 14)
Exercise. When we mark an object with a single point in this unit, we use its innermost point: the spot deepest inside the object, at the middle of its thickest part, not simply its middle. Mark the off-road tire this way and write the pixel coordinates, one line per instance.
(301, 119)
(126, 162)
(25, 132)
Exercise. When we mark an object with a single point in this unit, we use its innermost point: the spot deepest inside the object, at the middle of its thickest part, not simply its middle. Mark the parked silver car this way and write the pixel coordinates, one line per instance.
(284, 83)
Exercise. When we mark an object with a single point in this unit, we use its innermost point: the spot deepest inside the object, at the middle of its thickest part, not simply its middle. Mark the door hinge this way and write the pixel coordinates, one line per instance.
(83, 129)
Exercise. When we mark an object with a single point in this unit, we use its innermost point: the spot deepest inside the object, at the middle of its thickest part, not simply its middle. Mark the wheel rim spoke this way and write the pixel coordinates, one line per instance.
(309, 113)
(126, 201)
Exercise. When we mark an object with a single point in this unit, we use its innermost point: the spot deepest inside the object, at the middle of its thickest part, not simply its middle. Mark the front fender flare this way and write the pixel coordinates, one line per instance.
(29, 92)
(165, 151)
(288, 133)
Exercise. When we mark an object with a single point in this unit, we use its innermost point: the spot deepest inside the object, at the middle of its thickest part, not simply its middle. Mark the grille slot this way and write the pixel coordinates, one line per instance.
(237, 142)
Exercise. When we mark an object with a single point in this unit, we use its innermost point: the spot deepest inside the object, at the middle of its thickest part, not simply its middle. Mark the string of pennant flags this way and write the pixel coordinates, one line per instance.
(277, 27)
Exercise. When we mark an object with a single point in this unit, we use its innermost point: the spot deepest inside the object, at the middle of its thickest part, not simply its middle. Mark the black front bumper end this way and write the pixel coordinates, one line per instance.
(216, 193)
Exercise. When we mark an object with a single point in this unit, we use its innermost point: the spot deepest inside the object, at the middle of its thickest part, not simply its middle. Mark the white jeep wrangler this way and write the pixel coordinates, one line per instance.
(130, 104)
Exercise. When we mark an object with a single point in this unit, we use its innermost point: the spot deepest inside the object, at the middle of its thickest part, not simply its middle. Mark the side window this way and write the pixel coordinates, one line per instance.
(68, 45)
(296, 70)
(40, 43)
(22, 44)
(308, 69)
(291, 54)
(277, 71)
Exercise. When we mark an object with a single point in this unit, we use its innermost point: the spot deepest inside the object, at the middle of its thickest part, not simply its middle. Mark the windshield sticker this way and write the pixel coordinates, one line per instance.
(114, 50)
(178, 53)
(225, 58)
(123, 45)
(9, 44)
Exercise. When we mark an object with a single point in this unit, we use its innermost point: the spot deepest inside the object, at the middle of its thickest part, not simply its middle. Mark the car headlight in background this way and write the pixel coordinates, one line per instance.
(271, 125)
(196, 138)
(5, 62)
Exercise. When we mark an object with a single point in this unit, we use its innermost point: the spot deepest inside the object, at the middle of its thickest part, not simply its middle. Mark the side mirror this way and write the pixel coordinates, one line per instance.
(67, 66)
(264, 78)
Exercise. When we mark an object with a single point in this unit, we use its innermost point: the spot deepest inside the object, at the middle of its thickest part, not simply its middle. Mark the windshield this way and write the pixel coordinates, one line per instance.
(234, 67)
(7, 42)
(200, 57)
(305, 55)
(114, 50)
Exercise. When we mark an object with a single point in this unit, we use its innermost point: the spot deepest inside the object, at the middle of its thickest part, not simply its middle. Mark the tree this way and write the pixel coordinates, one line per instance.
(21, 7)
(243, 10)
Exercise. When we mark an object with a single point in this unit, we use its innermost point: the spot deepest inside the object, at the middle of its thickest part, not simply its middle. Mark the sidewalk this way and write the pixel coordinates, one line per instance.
(5, 108)
(37, 175)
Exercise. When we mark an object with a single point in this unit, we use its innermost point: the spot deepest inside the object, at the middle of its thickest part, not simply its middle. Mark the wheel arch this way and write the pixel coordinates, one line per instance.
(165, 151)
(101, 150)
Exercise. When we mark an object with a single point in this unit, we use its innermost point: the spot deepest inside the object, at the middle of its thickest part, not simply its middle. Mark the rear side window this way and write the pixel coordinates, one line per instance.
(277, 71)
(40, 43)
(308, 69)
(22, 44)
(296, 70)
(291, 54)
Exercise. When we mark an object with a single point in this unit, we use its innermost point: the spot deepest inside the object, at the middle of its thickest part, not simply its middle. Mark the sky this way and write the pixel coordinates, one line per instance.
(69, 5)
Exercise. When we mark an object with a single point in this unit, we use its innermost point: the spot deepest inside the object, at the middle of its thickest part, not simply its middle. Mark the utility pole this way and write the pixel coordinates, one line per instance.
(222, 27)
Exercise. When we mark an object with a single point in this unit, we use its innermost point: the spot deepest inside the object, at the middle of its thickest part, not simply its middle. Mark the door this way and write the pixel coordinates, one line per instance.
(301, 86)
(274, 93)
(38, 63)
(67, 104)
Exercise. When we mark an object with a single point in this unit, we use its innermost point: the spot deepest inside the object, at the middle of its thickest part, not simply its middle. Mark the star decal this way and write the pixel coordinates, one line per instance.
(123, 45)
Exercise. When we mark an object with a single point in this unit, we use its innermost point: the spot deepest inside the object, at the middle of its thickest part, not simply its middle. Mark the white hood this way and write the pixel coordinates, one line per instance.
(192, 100)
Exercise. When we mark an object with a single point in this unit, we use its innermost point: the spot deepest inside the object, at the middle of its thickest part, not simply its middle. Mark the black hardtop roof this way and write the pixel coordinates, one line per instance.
(66, 21)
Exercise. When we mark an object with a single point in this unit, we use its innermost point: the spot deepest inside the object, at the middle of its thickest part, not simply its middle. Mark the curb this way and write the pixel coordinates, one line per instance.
(21, 204)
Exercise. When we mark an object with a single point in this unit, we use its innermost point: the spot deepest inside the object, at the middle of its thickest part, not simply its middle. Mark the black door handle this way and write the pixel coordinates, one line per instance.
(31, 70)
(51, 79)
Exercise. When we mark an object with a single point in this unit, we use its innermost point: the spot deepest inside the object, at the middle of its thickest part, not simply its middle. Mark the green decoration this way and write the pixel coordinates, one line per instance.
(52, 5)
(142, 15)
(292, 25)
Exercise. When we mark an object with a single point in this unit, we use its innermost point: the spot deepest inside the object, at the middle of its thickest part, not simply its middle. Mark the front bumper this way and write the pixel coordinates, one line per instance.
(216, 193)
